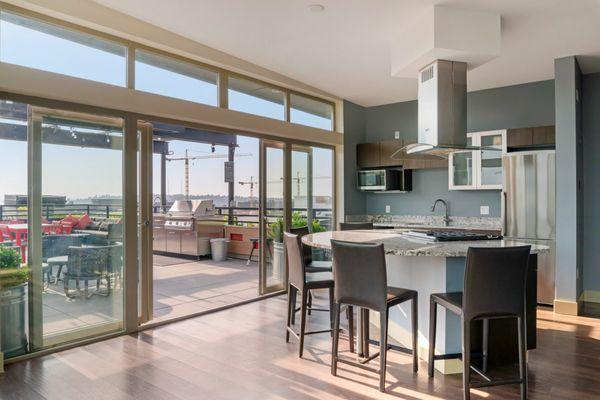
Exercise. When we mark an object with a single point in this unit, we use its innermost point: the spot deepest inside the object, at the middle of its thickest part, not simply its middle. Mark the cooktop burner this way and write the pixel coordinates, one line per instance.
(449, 236)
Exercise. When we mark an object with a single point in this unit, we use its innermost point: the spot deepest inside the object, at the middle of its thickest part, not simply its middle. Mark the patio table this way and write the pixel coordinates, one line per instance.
(60, 261)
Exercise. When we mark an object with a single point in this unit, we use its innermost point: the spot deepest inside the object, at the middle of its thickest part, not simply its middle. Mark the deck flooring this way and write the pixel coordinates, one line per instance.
(181, 287)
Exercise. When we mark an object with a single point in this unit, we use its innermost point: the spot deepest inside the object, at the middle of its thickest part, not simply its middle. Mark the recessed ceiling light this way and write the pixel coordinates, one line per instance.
(316, 8)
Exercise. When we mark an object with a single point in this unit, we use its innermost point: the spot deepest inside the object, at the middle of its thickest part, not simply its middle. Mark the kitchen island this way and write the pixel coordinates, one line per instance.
(434, 267)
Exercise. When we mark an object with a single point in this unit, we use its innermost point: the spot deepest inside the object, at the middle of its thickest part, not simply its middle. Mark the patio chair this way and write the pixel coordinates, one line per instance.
(86, 264)
(114, 270)
(57, 246)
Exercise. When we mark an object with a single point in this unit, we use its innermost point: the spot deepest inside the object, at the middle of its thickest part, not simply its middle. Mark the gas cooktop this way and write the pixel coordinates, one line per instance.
(450, 236)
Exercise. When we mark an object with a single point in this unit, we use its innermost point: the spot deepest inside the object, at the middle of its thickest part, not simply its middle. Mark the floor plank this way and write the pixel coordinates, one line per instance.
(241, 353)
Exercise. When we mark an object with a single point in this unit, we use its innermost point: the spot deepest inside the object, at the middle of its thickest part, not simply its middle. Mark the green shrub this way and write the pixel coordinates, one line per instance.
(275, 230)
(11, 272)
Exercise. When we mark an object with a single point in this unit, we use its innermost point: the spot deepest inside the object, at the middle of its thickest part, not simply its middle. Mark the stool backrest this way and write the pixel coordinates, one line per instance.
(348, 226)
(306, 250)
(360, 274)
(495, 281)
(296, 265)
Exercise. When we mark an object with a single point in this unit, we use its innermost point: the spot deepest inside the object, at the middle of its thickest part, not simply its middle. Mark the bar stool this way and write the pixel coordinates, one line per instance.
(348, 226)
(309, 264)
(494, 287)
(302, 281)
(361, 280)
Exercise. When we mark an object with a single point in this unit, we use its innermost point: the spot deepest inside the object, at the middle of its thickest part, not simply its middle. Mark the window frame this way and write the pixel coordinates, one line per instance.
(132, 46)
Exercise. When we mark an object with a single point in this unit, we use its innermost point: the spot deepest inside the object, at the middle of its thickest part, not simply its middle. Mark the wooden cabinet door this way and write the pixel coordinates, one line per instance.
(544, 135)
(520, 137)
(387, 148)
(368, 155)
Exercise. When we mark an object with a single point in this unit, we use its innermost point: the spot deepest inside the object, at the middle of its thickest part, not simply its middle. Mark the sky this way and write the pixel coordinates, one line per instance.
(85, 172)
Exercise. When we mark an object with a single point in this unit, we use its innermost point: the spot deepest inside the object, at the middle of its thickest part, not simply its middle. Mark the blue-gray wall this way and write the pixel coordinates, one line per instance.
(591, 180)
(354, 132)
(567, 77)
(515, 106)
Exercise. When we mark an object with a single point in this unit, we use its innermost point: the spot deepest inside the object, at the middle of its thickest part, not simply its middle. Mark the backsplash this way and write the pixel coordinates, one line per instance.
(491, 223)
(429, 185)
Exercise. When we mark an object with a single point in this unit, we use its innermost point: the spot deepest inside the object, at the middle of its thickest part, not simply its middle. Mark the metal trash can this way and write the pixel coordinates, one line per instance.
(13, 306)
(219, 249)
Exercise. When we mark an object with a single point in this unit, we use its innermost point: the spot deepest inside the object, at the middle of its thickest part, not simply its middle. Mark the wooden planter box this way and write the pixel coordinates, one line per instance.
(239, 237)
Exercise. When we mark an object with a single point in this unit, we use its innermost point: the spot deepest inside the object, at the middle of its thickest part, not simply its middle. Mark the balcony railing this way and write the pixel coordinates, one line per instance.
(54, 212)
(240, 215)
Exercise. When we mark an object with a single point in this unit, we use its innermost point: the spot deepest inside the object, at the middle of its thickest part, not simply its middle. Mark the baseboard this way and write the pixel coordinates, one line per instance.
(566, 307)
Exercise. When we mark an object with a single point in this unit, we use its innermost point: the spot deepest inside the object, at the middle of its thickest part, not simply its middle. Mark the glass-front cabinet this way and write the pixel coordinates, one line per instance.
(460, 167)
(478, 169)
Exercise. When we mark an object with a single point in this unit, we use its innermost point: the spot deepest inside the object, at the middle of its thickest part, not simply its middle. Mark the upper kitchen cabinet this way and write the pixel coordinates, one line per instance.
(524, 138)
(478, 169)
(387, 148)
(379, 154)
(368, 155)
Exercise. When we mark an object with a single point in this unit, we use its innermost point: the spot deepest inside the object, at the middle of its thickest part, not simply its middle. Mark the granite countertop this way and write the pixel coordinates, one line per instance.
(409, 226)
(433, 222)
(397, 244)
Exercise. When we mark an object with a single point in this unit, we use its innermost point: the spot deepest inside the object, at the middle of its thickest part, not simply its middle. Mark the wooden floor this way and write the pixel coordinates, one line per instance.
(241, 354)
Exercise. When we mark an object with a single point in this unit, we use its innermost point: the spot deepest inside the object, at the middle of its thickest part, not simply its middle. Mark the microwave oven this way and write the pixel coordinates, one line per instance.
(384, 180)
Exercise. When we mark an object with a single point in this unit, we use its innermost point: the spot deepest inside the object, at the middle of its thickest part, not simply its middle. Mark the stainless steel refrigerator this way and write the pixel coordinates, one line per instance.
(528, 209)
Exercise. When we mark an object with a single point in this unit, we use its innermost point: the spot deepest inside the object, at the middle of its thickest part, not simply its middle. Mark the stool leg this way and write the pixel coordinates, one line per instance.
(466, 358)
(303, 308)
(522, 359)
(250, 256)
(336, 339)
(294, 298)
(432, 332)
(331, 316)
(415, 332)
(484, 344)
(289, 313)
(350, 315)
(309, 301)
(383, 341)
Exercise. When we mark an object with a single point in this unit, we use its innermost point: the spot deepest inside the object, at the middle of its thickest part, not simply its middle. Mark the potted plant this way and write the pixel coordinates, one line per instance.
(275, 233)
(13, 302)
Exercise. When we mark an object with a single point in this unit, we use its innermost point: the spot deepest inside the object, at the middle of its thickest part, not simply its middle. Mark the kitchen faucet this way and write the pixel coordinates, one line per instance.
(446, 219)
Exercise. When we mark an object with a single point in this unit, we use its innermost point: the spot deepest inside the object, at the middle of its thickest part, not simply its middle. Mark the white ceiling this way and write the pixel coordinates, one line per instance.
(345, 50)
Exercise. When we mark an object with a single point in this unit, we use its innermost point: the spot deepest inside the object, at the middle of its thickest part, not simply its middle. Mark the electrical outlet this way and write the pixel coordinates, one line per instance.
(484, 210)
(397, 135)
(387, 209)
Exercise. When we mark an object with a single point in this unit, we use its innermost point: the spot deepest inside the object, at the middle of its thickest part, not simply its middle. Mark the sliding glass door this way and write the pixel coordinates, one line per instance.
(274, 216)
(74, 226)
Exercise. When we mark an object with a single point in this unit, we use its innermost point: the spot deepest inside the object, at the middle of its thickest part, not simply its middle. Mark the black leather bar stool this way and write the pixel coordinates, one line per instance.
(494, 287)
(302, 281)
(361, 280)
(349, 226)
(310, 266)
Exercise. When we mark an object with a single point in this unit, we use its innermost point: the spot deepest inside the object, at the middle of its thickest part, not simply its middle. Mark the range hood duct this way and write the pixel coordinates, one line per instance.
(442, 106)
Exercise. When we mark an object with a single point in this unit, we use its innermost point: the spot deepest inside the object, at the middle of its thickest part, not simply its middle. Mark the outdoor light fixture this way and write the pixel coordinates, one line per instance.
(212, 148)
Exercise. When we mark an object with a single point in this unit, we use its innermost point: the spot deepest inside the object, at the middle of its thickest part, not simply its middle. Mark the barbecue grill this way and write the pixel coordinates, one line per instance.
(182, 231)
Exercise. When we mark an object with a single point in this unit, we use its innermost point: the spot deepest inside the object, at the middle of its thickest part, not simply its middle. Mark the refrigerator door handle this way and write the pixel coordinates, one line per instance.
(504, 222)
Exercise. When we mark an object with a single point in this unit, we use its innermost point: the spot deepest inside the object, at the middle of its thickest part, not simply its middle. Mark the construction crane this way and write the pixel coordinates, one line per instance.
(299, 179)
(251, 182)
(187, 158)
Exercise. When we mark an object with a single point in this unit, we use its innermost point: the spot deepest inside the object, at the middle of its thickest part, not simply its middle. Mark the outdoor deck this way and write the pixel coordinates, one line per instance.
(181, 287)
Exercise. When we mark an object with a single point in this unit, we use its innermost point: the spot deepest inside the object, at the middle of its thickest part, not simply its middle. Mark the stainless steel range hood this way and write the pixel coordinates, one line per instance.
(442, 107)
